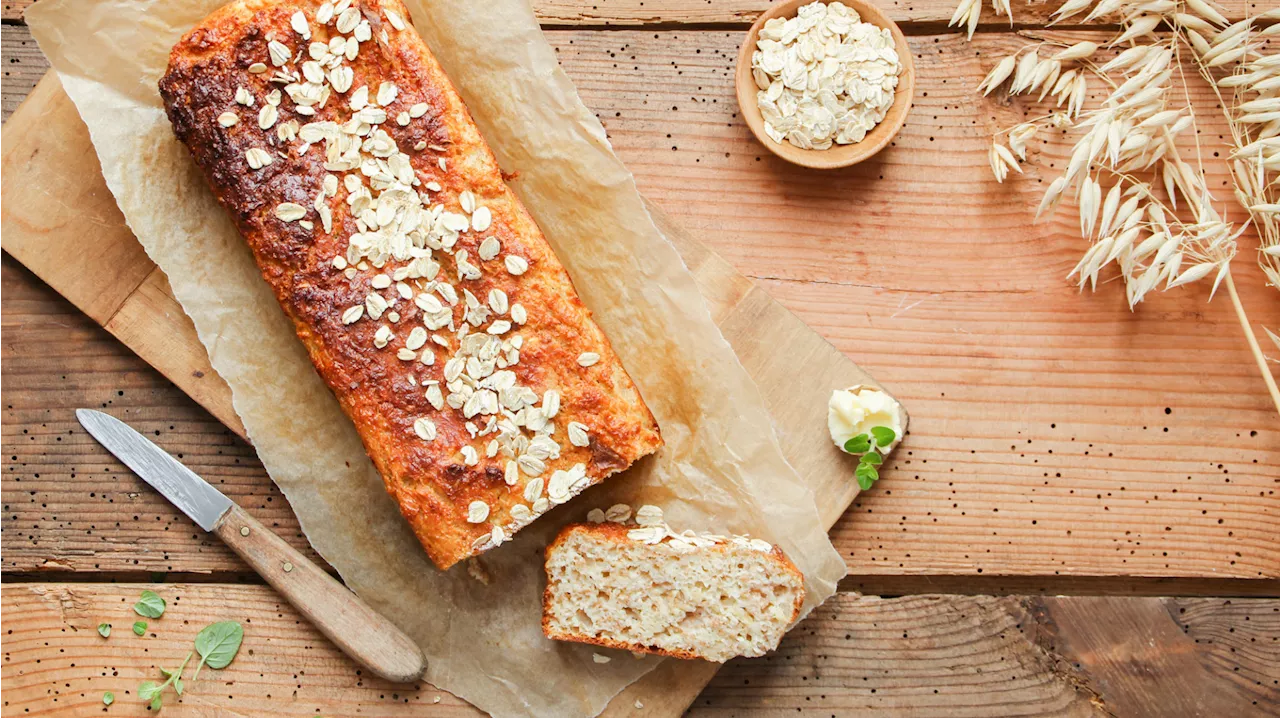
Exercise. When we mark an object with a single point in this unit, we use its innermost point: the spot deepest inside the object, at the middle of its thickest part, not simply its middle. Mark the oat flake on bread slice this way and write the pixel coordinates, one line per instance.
(645, 589)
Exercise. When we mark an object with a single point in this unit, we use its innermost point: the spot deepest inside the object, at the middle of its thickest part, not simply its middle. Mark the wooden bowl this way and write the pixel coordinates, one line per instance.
(836, 155)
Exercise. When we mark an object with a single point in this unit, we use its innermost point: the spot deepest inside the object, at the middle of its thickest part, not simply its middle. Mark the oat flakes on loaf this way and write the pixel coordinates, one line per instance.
(426, 296)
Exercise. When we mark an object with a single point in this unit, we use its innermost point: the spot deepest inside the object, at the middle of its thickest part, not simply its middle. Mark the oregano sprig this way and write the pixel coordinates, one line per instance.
(217, 645)
(154, 692)
(869, 447)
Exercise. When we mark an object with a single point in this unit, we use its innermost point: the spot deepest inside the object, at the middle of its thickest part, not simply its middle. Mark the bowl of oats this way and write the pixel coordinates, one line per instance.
(825, 84)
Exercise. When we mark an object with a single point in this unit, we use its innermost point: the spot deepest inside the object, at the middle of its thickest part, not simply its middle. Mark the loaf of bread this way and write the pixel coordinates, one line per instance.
(645, 589)
(428, 299)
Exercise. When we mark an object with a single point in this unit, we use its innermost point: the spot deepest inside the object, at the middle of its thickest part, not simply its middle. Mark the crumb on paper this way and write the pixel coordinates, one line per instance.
(477, 570)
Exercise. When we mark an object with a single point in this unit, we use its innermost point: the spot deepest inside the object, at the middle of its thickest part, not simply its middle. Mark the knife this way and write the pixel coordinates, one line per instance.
(361, 633)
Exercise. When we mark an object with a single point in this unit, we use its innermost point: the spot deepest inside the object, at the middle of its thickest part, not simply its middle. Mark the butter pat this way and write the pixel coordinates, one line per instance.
(858, 409)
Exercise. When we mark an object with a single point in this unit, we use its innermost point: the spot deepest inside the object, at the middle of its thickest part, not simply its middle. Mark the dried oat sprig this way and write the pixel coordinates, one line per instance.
(967, 14)
(1143, 208)
(1235, 59)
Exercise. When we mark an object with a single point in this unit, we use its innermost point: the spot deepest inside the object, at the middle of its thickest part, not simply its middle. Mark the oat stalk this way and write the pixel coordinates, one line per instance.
(1142, 207)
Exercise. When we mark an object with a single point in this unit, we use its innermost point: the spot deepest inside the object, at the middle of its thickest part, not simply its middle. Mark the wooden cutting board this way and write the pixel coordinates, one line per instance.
(60, 221)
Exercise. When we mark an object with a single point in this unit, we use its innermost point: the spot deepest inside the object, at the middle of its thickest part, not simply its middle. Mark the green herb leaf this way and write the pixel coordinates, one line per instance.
(149, 689)
(157, 703)
(149, 605)
(104, 630)
(219, 642)
(884, 435)
(872, 457)
(139, 628)
(177, 685)
(108, 698)
(866, 474)
(858, 444)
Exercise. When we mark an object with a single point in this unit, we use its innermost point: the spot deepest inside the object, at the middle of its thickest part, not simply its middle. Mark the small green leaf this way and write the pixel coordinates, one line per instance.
(149, 689)
(858, 444)
(866, 474)
(104, 630)
(108, 698)
(157, 703)
(219, 642)
(871, 457)
(884, 435)
(139, 628)
(177, 685)
(149, 605)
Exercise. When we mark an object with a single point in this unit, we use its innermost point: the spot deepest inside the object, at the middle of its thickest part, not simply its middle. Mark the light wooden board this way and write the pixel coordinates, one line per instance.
(1036, 410)
(919, 656)
(134, 305)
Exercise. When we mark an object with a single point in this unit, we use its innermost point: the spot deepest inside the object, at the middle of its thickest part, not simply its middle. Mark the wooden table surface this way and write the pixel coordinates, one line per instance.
(1083, 521)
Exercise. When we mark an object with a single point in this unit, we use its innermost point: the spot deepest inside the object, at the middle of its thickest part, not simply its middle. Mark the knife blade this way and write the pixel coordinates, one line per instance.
(180, 485)
(348, 621)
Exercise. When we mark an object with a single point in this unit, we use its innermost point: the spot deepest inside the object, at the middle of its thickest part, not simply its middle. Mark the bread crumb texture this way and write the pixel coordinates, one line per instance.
(714, 599)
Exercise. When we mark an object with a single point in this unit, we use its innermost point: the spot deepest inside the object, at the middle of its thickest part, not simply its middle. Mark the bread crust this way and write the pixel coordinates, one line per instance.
(617, 533)
(430, 480)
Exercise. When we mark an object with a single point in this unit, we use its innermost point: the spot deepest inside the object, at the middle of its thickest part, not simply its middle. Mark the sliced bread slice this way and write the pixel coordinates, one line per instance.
(645, 589)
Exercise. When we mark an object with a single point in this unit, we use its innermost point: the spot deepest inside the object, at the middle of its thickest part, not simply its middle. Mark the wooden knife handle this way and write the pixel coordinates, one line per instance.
(349, 622)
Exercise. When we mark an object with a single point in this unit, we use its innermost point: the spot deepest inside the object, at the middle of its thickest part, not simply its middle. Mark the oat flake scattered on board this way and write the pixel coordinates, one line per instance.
(824, 76)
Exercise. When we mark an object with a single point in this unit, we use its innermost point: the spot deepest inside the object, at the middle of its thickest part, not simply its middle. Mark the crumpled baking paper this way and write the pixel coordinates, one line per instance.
(721, 468)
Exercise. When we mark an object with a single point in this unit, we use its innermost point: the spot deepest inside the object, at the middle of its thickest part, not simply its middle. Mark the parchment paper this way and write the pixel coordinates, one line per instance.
(721, 469)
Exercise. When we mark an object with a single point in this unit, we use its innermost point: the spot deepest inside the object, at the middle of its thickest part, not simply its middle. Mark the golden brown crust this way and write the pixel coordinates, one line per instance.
(617, 533)
(382, 394)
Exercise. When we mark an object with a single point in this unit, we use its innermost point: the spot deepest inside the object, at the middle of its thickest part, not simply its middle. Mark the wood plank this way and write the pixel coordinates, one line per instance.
(918, 656)
(96, 515)
(1029, 454)
(1110, 636)
(151, 314)
(992, 527)
(31, 220)
(1036, 411)
(24, 65)
(630, 13)
(890, 585)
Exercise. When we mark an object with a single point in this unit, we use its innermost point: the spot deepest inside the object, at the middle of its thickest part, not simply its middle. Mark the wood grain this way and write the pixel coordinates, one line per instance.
(1053, 433)
(1056, 408)
(917, 656)
(957, 303)
(98, 516)
(630, 13)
